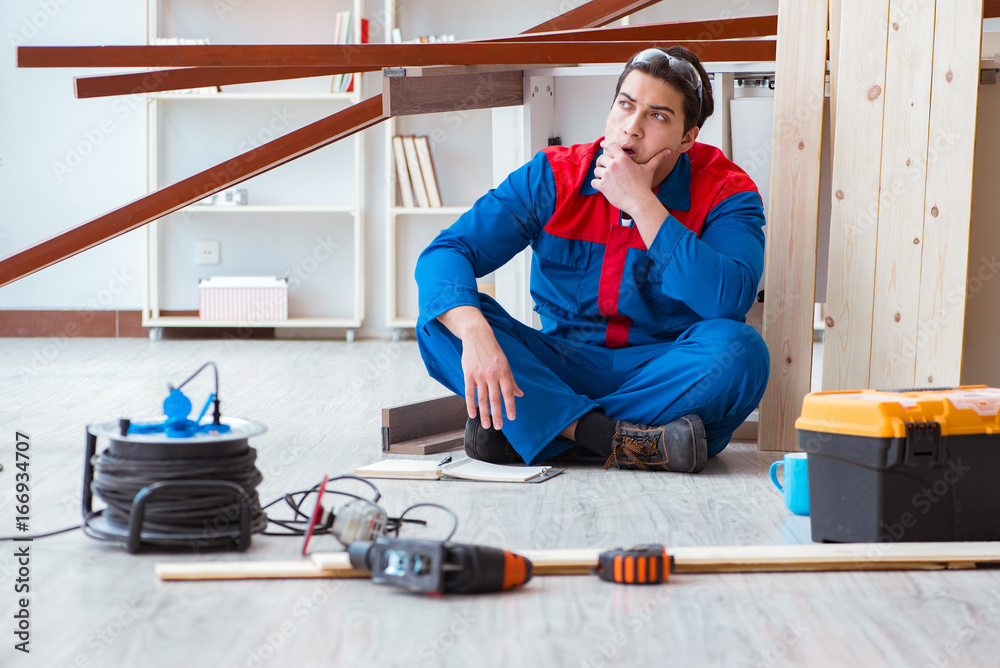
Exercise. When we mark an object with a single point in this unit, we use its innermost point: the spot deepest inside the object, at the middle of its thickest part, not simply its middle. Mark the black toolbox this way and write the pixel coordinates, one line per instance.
(909, 465)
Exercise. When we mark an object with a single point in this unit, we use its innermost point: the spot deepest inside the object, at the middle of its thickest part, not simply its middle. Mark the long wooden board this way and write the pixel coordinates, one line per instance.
(793, 217)
(722, 559)
(909, 49)
(257, 570)
(945, 278)
(857, 160)
(370, 57)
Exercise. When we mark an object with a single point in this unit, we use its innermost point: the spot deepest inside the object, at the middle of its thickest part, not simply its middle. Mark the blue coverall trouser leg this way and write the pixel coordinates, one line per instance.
(716, 369)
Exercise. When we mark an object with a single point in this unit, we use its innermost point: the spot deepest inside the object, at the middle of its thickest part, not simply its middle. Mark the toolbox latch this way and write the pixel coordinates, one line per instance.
(923, 444)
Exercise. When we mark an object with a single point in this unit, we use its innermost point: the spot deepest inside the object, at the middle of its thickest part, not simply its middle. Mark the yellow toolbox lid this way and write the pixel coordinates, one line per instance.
(971, 409)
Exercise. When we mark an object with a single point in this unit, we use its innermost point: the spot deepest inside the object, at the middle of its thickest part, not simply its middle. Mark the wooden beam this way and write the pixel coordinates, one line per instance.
(793, 216)
(909, 49)
(857, 159)
(425, 427)
(191, 77)
(171, 198)
(991, 9)
(592, 15)
(762, 558)
(945, 280)
(368, 57)
(765, 25)
(406, 95)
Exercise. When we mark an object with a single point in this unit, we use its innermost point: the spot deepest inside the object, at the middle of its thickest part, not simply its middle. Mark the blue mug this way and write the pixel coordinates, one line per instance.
(796, 487)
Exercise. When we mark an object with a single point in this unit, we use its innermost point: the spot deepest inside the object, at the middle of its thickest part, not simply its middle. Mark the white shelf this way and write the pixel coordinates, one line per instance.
(345, 97)
(439, 211)
(193, 321)
(157, 261)
(269, 208)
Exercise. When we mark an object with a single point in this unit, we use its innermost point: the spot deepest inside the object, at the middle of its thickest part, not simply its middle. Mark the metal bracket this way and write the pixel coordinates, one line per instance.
(394, 72)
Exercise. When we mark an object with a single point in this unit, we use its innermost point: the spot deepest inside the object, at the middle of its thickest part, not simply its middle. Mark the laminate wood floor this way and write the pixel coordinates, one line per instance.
(93, 604)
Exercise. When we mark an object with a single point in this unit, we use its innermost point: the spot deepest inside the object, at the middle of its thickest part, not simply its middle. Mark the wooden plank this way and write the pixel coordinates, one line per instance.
(790, 274)
(593, 14)
(257, 570)
(369, 57)
(857, 152)
(191, 77)
(406, 95)
(765, 25)
(991, 9)
(762, 558)
(909, 48)
(948, 204)
(174, 197)
(422, 419)
(429, 445)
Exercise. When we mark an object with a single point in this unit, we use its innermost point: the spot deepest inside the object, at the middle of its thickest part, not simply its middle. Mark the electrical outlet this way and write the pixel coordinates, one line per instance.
(207, 252)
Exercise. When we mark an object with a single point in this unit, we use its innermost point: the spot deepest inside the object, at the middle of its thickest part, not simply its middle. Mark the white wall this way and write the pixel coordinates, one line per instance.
(64, 161)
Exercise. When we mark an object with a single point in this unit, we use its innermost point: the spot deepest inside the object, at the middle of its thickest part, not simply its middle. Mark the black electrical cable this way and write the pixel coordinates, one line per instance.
(182, 514)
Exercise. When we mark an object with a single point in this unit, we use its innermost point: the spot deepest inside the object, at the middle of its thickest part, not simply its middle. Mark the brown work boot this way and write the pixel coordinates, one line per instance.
(488, 445)
(679, 446)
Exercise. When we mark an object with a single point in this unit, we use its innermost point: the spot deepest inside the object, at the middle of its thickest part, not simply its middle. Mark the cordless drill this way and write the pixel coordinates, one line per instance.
(437, 566)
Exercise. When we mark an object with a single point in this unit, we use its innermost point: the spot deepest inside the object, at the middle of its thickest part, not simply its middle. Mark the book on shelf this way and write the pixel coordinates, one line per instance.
(402, 173)
(427, 170)
(348, 29)
(462, 469)
(413, 166)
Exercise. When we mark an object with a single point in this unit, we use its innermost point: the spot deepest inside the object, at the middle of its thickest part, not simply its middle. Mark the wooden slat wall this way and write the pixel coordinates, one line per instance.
(909, 47)
(948, 205)
(800, 70)
(857, 156)
(902, 178)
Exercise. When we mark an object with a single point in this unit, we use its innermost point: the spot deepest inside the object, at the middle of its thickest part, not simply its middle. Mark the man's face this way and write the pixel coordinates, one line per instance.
(647, 117)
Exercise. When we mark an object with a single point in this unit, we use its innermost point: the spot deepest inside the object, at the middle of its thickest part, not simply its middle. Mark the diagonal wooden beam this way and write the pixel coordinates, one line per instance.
(191, 77)
(592, 15)
(199, 77)
(368, 57)
(167, 200)
(715, 29)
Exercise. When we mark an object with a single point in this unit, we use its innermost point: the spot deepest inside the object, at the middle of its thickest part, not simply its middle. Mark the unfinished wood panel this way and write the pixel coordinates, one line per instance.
(857, 156)
(793, 215)
(948, 206)
(909, 47)
(406, 95)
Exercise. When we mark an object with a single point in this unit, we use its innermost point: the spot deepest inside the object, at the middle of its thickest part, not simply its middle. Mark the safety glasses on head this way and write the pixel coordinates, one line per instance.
(679, 65)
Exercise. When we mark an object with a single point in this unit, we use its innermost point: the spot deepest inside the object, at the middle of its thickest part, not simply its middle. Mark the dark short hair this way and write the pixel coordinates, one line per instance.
(695, 112)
